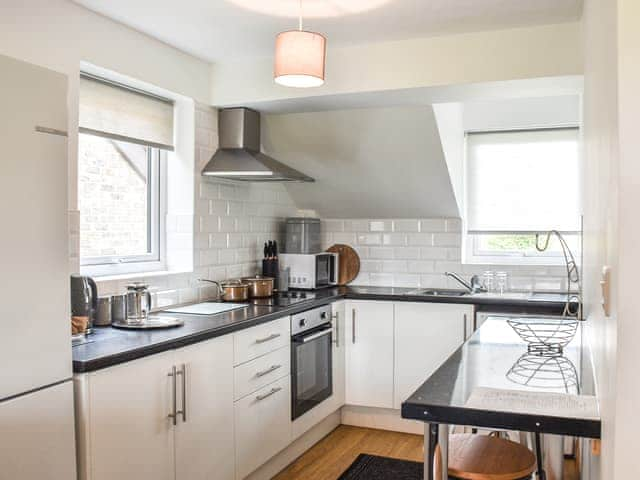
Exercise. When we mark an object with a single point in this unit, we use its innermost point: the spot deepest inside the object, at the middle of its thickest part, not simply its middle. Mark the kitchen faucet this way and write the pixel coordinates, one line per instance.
(474, 286)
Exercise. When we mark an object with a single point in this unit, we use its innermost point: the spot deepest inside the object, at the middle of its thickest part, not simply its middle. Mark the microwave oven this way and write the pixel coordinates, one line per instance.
(310, 271)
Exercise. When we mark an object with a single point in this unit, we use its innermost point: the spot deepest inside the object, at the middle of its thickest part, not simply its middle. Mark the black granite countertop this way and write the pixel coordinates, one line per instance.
(109, 346)
(550, 393)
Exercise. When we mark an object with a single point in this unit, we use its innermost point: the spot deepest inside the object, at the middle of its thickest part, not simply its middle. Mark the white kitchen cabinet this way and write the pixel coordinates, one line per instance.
(369, 360)
(204, 440)
(128, 435)
(425, 335)
(125, 431)
(262, 425)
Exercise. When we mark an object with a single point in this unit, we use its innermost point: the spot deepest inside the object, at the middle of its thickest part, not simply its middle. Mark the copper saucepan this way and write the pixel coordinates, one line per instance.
(259, 286)
(231, 290)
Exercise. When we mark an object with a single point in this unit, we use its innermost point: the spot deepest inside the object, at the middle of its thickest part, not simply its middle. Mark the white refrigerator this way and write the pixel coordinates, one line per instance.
(36, 392)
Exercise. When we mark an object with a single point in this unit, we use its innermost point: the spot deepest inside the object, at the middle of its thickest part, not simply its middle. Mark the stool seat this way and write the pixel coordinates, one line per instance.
(482, 457)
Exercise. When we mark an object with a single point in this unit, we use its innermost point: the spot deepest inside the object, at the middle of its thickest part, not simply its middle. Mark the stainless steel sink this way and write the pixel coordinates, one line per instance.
(438, 292)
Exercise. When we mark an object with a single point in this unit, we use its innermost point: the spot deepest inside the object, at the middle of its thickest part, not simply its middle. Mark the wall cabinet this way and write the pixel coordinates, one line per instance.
(425, 335)
(369, 361)
(124, 427)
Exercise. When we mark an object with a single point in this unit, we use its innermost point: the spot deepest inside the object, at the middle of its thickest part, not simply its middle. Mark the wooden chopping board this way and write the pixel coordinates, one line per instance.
(349, 263)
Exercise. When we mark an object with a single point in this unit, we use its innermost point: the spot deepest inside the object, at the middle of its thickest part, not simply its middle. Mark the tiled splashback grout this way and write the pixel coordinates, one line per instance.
(417, 252)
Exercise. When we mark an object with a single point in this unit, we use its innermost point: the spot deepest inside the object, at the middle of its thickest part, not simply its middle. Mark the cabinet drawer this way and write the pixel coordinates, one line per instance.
(255, 374)
(263, 425)
(256, 341)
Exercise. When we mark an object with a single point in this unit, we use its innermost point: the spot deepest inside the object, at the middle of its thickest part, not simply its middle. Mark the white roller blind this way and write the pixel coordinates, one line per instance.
(523, 181)
(114, 111)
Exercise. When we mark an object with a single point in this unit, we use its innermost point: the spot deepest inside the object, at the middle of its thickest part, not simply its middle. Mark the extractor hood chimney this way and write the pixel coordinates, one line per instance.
(239, 156)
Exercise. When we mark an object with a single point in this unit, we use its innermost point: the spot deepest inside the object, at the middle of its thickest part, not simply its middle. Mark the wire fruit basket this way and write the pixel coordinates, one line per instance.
(555, 372)
(545, 335)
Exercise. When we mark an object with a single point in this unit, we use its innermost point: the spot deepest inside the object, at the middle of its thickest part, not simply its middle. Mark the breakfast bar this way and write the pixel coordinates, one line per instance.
(494, 381)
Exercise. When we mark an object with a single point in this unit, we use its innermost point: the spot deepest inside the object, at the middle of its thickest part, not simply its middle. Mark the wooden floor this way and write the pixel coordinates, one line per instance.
(333, 454)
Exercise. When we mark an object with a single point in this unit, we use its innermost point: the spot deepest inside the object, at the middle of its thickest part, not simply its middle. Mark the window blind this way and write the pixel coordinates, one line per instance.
(118, 112)
(523, 181)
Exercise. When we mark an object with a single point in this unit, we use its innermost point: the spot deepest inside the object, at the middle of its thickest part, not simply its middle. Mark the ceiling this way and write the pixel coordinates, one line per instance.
(219, 30)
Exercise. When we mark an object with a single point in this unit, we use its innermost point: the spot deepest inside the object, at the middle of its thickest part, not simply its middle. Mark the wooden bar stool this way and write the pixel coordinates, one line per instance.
(482, 457)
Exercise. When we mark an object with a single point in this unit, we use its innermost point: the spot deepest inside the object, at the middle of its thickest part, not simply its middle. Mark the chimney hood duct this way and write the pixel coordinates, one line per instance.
(239, 156)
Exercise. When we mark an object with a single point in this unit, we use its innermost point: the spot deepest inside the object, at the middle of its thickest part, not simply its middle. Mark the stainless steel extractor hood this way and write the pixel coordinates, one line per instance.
(239, 156)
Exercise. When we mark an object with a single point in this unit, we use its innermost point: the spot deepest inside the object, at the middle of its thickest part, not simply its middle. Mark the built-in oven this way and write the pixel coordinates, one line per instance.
(311, 359)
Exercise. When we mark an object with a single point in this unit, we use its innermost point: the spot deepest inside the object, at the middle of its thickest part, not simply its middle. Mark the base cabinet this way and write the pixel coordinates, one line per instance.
(263, 425)
(203, 445)
(425, 335)
(123, 423)
(369, 360)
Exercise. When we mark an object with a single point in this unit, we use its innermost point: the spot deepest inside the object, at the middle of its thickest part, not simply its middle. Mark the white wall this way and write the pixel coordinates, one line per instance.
(628, 336)
(522, 53)
(59, 35)
(601, 212)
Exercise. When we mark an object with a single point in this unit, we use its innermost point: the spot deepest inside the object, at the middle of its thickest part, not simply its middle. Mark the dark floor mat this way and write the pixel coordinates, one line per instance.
(372, 467)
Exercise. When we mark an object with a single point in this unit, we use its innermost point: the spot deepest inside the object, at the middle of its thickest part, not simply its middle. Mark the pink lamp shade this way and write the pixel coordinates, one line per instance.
(299, 59)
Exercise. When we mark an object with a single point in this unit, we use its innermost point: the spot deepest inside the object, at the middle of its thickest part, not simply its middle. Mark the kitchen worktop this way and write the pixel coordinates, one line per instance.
(493, 381)
(109, 346)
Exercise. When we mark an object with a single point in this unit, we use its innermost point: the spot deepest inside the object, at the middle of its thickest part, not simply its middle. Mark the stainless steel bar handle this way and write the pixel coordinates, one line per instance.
(268, 394)
(183, 374)
(315, 336)
(270, 337)
(336, 318)
(353, 325)
(272, 368)
(173, 374)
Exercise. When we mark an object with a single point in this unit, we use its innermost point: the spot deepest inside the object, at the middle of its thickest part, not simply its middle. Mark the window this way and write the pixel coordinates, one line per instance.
(122, 152)
(518, 183)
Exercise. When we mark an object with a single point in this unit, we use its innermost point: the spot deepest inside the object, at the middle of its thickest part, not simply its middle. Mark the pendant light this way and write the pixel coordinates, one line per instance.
(300, 57)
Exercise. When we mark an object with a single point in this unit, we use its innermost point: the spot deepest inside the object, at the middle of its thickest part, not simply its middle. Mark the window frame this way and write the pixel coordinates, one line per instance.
(470, 250)
(155, 260)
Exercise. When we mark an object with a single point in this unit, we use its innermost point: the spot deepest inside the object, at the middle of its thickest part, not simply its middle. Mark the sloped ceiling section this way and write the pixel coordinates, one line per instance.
(368, 163)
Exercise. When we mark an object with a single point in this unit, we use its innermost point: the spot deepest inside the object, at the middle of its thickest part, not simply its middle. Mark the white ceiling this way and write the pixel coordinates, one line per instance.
(217, 30)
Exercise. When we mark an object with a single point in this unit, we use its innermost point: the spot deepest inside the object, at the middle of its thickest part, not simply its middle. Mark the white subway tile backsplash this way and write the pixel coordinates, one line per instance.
(369, 239)
(331, 226)
(356, 226)
(447, 239)
(381, 279)
(394, 239)
(420, 239)
(434, 253)
(433, 225)
(382, 253)
(421, 266)
(394, 266)
(406, 253)
(380, 226)
(344, 237)
(406, 280)
(406, 225)
(454, 225)
(370, 266)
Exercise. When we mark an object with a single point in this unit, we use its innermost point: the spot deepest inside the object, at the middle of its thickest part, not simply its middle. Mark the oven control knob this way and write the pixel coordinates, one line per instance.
(323, 315)
(303, 323)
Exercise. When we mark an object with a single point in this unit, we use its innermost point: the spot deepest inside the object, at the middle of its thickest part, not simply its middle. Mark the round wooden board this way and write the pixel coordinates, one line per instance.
(349, 263)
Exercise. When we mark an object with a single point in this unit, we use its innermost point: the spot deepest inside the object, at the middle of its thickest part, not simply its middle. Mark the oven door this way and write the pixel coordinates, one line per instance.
(311, 377)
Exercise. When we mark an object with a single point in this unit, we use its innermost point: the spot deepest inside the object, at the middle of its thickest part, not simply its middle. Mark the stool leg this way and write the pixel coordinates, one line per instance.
(540, 464)
(443, 441)
(430, 442)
